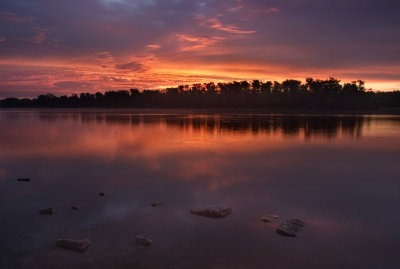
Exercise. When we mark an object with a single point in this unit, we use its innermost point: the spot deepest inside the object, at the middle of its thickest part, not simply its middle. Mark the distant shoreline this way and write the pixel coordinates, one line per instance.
(295, 112)
(290, 97)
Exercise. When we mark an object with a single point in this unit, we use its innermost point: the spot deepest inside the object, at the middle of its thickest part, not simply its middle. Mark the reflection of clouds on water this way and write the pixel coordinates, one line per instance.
(202, 148)
(337, 174)
(2, 173)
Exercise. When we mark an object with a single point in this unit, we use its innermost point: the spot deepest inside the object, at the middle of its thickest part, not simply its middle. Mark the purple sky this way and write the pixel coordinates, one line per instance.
(96, 45)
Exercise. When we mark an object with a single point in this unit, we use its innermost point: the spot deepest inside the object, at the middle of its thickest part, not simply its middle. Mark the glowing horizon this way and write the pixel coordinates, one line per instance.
(101, 45)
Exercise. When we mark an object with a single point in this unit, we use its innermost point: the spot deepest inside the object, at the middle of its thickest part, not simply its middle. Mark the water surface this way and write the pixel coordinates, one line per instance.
(339, 174)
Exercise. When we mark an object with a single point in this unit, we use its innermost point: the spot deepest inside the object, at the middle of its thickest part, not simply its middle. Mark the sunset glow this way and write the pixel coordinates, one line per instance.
(98, 45)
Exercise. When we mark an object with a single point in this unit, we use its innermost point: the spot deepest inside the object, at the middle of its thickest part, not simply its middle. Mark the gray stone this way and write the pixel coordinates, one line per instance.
(24, 179)
(290, 227)
(47, 211)
(143, 241)
(156, 203)
(214, 211)
(269, 218)
(74, 245)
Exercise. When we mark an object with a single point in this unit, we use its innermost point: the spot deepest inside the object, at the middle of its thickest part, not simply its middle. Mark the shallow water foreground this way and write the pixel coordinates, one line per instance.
(338, 174)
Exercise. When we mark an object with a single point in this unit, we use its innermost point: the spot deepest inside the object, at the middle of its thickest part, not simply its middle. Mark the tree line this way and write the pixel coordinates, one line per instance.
(293, 94)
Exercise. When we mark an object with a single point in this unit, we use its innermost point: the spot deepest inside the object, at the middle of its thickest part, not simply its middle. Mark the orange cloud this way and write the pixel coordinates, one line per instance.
(215, 23)
(153, 47)
(194, 43)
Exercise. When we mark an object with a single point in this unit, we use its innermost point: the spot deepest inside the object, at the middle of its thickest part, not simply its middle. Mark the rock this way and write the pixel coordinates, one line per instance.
(143, 241)
(74, 245)
(290, 227)
(269, 218)
(24, 179)
(47, 211)
(156, 203)
(102, 194)
(74, 208)
(214, 211)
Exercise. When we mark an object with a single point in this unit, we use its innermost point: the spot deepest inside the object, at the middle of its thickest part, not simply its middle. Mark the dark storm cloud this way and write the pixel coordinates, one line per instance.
(346, 36)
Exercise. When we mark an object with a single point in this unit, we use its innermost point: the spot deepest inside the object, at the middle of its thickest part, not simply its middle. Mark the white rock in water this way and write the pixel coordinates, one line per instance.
(290, 227)
(214, 211)
(143, 241)
(269, 218)
(74, 245)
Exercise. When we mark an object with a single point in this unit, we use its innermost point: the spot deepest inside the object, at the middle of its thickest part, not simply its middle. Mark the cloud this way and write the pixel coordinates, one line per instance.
(159, 43)
(71, 85)
(215, 23)
(195, 43)
(237, 7)
(131, 66)
(272, 10)
(153, 47)
(12, 17)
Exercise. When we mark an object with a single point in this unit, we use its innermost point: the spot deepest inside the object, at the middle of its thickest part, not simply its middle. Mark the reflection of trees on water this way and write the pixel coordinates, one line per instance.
(288, 125)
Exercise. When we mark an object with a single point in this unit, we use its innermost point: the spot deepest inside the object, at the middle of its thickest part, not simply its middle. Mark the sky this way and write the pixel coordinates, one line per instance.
(65, 47)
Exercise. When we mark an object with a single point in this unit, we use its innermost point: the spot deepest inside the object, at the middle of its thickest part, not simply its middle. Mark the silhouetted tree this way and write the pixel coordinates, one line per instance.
(291, 93)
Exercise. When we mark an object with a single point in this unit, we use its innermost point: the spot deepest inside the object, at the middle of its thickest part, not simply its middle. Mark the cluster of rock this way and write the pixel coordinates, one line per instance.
(78, 245)
(290, 227)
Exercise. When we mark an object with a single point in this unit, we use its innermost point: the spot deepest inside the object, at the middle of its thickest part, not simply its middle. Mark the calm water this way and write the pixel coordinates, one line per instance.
(339, 174)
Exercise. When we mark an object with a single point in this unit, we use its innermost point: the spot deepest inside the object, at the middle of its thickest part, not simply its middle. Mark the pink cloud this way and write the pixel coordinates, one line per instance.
(153, 47)
(193, 42)
(12, 17)
(272, 10)
(215, 23)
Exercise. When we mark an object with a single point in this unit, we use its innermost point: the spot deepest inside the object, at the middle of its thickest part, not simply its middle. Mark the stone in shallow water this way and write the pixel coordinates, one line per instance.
(156, 203)
(102, 194)
(24, 179)
(290, 227)
(143, 241)
(74, 208)
(74, 245)
(47, 211)
(214, 211)
(269, 218)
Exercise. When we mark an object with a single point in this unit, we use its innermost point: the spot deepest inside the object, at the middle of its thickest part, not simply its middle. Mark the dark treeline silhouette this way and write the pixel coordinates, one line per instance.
(293, 94)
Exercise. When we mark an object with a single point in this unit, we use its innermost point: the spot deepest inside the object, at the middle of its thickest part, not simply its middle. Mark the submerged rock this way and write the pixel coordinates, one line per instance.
(74, 208)
(269, 218)
(143, 241)
(102, 194)
(74, 245)
(290, 227)
(156, 203)
(24, 179)
(47, 211)
(214, 211)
